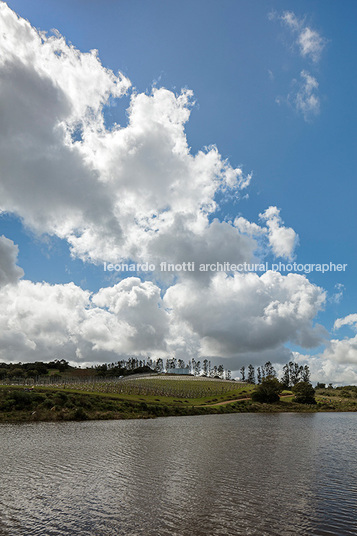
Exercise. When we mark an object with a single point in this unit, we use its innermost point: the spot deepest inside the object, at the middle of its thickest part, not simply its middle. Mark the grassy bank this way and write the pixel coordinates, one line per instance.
(149, 398)
(118, 400)
(18, 404)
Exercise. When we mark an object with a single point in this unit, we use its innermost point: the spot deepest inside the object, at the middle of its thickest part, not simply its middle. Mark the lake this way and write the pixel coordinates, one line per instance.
(238, 474)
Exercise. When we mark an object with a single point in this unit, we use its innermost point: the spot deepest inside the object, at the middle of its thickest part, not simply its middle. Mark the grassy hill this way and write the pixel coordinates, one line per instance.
(148, 397)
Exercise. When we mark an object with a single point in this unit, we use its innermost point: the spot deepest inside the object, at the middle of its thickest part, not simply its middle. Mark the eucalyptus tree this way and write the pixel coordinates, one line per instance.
(251, 374)
(242, 373)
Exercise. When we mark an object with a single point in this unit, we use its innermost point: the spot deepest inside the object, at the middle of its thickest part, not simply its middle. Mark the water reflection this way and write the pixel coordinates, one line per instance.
(240, 474)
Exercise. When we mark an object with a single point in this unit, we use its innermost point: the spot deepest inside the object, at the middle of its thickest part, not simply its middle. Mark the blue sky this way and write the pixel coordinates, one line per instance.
(251, 79)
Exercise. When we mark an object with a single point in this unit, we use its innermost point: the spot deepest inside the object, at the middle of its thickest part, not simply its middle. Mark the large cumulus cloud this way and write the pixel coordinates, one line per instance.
(242, 314)
(232, 317)
(43, 321)
(109, 192)
(113, 193)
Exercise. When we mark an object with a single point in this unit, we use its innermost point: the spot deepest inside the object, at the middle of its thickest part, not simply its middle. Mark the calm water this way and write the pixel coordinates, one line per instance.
(240, 474)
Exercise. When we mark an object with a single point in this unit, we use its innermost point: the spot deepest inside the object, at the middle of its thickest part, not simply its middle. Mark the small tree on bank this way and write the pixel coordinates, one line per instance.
(268, 391)
(304, 393)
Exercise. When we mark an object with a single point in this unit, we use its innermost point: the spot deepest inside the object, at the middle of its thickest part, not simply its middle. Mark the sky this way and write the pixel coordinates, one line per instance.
(138, 133)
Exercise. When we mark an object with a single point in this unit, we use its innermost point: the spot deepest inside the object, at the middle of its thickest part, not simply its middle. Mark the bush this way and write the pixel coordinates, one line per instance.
(265, 398)
(304, 393)
(80, 414)
(59, 399)
(22, 399)
(47, 403)
(268, 391)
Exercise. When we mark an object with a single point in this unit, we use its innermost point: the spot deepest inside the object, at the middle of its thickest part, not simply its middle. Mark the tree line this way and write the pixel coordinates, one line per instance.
(193, 367)
(293, 373)
(295, 377)
(31, 370)
(123, 367)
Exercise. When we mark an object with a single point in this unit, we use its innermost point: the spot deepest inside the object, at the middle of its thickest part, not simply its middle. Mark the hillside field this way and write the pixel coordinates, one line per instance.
(148, 397)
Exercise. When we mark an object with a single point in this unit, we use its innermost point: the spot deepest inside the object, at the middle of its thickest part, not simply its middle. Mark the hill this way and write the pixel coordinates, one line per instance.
(148, 397)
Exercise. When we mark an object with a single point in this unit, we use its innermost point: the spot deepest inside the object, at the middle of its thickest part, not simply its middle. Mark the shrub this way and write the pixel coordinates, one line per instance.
(22, 399)
(80, 414)
(268, 391)
(304, 393)
(47, 404)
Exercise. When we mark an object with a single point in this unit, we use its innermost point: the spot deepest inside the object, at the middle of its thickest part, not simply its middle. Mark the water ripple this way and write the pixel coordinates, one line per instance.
(220, 475)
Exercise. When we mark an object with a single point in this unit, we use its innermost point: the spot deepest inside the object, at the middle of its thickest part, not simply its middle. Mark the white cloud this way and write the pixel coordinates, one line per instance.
(338, 362)
(247, 227)
(135, 192)
(282, 240)
(39, 321)
(230, 317)
(112, 194)
(342, 351)
(80, 77)
(324, 368)
(310, 42)
(349, 320)
(290, 19)
(161, 193)
(233, 316)
(306, 99)
(338, 294)
(139, 305)
(47, 89)
(10, 273)
(216, 242)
